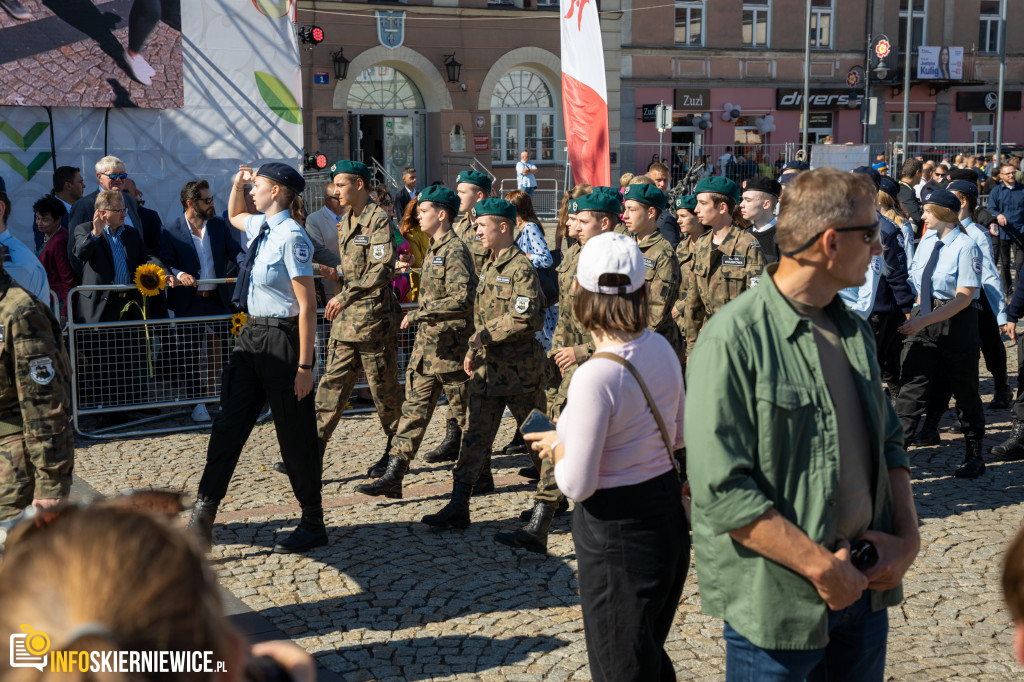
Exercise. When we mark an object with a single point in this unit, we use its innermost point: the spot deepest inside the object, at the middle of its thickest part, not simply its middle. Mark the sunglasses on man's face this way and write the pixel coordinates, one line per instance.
(117, 176)
(871, 233)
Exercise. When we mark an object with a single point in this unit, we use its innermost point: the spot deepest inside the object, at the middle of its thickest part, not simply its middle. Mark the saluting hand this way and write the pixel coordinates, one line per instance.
(245, 175)
(97, 224)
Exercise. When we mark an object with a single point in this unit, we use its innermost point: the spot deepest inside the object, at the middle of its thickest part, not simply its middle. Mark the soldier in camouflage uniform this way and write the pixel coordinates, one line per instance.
(643, 204)
(471, 186)
(505, 358)
(692, 230)
(726, 261)
(445, 323)
(37, 446)
(364, 333)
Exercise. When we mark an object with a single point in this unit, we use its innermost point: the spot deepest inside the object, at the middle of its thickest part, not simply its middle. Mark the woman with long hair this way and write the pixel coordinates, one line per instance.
(613, 454)
(410, 230)
(563, 212)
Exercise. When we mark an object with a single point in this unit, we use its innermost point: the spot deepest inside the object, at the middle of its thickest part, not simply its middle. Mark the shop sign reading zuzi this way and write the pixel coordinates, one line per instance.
(793, 98)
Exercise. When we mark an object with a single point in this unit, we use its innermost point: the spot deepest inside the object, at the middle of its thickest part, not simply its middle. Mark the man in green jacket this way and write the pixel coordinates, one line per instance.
(803, 516)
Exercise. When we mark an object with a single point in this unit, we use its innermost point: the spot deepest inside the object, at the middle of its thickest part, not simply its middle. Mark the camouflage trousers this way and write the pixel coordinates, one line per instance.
(17, 476)
(485, 412)
(421, 394)
(344, 360)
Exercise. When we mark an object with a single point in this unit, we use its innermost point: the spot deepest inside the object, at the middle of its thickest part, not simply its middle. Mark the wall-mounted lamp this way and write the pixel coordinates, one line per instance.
(340, 64)
(453, 68)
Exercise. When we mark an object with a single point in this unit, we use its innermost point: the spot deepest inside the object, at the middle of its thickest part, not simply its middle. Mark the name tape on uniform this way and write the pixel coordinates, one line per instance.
(362, 240)
(734, 261)
(504, 280)
(438, 260)
(649, 263)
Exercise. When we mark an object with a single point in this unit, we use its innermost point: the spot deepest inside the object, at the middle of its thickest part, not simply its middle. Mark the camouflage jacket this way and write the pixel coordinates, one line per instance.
(466, 230)
(509, 311)
(718, 275)
(566, 332)
(663, 283)
(35, 388)
(445, 313)
(684, 254)
(368, 253)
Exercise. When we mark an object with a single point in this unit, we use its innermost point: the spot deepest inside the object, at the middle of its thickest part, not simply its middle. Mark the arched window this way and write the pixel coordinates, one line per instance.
(522, 118)
(382, 87)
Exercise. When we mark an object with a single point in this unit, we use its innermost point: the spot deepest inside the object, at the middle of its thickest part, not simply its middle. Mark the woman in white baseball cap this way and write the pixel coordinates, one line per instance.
(613, 454)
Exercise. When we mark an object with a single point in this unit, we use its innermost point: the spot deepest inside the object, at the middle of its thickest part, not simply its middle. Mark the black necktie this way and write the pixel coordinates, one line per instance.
(240, 297)
(926, 279)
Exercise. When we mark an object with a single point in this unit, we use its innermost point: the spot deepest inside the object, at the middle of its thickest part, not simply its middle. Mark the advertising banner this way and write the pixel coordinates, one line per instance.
(940, 63)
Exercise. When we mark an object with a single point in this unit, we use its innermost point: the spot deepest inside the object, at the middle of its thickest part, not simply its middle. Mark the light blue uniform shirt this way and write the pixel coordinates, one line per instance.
(907, 237)
(990, 281)
(959, 265)
(286, 253)
(24, 267)
(862, 299)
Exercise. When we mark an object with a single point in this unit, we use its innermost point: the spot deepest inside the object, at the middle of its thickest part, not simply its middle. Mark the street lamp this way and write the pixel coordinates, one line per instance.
(882, 70)
(453, 68)
(340, 64)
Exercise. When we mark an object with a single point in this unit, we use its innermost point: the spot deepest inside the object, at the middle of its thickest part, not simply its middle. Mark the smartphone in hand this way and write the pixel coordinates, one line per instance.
(536, 422)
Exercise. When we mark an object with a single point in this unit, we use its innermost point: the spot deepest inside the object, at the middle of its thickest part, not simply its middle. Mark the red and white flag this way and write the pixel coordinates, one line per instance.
(584, 93)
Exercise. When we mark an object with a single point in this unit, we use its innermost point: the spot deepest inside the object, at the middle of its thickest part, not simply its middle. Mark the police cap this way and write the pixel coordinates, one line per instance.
(283, 174)
(796, 165)
(871, 172)
(474, 178)
(944, 198)
(889, 186)
(964, 187)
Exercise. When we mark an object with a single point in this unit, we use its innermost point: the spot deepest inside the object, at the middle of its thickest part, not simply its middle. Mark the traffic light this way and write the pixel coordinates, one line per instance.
(311, 35)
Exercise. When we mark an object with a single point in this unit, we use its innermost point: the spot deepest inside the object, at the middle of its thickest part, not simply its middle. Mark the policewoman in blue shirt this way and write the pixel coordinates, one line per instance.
(273, 357)
(942, 332)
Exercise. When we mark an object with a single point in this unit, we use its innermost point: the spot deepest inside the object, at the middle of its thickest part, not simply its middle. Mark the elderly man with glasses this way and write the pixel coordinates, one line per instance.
(803, 516)
(110, 175)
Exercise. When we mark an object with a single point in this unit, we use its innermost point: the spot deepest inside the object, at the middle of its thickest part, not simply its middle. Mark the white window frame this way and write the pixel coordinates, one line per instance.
(499, 144)
(689, 6)
(988, 129)
(917, 15)
(816, 14)
(989, 19)
(759, 7)
(913, 126)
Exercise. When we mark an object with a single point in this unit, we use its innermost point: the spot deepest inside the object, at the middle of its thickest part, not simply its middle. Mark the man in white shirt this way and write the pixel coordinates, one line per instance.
(322, 228)
(724, 159)
(927, 168)
(526, 174)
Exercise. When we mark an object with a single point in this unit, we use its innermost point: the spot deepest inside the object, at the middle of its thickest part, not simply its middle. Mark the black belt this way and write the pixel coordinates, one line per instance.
(274, 321)
(206, 293)
(938, 303)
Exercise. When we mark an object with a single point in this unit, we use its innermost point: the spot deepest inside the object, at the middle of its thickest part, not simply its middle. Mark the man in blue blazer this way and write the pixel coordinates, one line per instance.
(197, 246)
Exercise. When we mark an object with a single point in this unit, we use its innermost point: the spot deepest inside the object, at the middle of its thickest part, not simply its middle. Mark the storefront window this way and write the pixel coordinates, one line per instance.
(522, 118)
(690, 23)
(746, 132)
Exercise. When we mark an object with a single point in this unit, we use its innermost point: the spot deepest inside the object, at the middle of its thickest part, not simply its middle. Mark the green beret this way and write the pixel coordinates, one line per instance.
(687, 202)
(474, 178)
(439, 194)
(719, 185)
(646, 194)
(600, 201)
(574, 206)
(351, 168)
(498, 207)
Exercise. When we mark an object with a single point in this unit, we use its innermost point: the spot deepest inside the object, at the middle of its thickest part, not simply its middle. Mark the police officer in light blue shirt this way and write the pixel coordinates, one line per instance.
(942, 332)
(888, 186)
(273, 357)
(862, 299)
(23, 266)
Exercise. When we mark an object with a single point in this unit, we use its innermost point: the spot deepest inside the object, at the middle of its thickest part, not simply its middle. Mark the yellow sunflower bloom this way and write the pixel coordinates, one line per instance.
(238, 321)
(149, 279)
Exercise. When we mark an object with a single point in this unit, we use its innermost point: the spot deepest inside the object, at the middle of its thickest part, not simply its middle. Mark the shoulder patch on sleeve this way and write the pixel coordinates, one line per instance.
(522, 304)
(976, 264)
(41, 370)
(378, 251)
(301, 251)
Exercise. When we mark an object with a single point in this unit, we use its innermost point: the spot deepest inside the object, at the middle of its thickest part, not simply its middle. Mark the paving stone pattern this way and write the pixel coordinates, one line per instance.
(391, 600)
(88, 74)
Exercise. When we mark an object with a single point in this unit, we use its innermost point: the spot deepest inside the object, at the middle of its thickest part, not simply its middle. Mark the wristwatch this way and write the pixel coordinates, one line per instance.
(302, 366)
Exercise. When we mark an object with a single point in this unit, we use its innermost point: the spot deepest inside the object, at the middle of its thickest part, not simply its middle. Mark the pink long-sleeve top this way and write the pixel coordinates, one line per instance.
(610, 437)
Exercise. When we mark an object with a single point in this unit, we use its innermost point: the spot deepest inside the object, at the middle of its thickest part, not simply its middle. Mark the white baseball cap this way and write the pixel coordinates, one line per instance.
(610, 253)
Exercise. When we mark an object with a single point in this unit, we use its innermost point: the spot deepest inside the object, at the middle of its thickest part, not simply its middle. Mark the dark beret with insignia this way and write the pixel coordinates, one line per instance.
(686, 202)
(869, 171)
(498, 207)
(719, 185)
(964, 187)
(439, 194)
(351, 168)
(646, 194)
(944, 198)
(889, 186)
(602, 200)
(474, 178)
(283, 174)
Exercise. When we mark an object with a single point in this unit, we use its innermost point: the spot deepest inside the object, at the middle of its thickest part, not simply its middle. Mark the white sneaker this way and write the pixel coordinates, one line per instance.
(139, 68)
(200, 413)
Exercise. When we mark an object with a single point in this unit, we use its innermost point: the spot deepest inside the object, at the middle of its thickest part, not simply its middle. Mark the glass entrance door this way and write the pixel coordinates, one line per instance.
(399, 145)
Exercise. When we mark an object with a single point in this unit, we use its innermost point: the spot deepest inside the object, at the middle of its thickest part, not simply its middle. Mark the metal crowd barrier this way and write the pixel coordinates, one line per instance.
(163, 364)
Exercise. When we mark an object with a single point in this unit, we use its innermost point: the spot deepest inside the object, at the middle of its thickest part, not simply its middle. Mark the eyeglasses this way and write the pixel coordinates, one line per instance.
(206, 200)
(870, 236)
(116, 176)
(122, 211)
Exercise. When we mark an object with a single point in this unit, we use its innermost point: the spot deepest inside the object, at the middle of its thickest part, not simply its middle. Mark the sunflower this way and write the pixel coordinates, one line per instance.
(149, 279)
(238, 321)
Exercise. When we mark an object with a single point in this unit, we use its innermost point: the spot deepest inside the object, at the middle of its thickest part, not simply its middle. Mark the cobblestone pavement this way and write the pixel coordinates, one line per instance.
(67, 68)
(391, 600)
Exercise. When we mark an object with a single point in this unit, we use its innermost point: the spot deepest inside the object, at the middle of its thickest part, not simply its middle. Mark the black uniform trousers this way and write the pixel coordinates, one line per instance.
(949, 351)
(1017, 409)
(633, 550)
(992, 349)
(1010, 256)
(889, 343)
(262, 368)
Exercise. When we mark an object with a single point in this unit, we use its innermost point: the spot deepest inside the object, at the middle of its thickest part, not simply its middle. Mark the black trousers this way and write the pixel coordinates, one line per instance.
(1010, 256)
(262, 368)
(889, 343)
(143, 18)
(945, 351)
(633, 549)
(1017, 410)
(994, 352)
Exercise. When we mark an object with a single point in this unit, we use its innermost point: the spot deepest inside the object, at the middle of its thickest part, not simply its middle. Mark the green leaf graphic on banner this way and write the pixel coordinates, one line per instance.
(21, 169)
(31, 136)
(278, 97)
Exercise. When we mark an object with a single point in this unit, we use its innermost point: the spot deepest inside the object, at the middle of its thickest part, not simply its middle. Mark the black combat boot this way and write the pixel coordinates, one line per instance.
(533, 537)
(311, 532)
(973, 466)
(455, 514)
(530, 473)
(201, 521)
(377, 470)
(1013, 447)
(518, 445)
(484, 483)
(448, 450)
(390, 484)
(1003, 396)
(563, 506)
(928, 435)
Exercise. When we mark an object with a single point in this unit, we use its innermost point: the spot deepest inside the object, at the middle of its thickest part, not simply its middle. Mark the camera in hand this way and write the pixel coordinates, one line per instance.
(863, 555)
(265, 669)
(536, 422)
